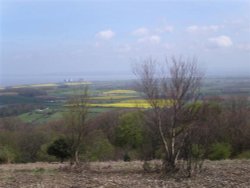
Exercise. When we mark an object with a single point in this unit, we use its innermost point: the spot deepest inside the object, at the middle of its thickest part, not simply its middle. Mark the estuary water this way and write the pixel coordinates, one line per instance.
(11, 80)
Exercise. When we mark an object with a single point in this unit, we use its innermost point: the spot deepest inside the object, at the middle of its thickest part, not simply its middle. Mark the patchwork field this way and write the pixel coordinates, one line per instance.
(49, 100)
(104, 96)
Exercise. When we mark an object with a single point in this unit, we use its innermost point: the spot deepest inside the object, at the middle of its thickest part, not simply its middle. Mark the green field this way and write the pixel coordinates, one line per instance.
(121, 91)
(104, 96)
(52, 102)
(44, 116)
(40, 117)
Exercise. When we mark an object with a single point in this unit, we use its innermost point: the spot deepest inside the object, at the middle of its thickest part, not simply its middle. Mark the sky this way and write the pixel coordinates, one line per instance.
(101, 37)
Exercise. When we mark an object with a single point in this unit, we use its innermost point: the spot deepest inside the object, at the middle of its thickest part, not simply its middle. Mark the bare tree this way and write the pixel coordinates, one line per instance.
(172, 93)
(237, 123)
(75, 118)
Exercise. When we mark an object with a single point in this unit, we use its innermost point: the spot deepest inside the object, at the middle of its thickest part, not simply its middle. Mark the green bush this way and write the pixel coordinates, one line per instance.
(244, 155)
(98, 147)
(198, 151)
(126, 157)
(220, 151)
(129, 134)
(159, 153)
(60, 149)
(43, 155)
(7, 154)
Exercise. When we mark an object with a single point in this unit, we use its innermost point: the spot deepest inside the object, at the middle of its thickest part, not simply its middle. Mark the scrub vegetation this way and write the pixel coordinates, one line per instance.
(162, 128)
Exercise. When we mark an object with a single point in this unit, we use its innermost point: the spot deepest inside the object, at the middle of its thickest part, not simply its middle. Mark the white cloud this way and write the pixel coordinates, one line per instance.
(205, 28)
(154, 39)
(220, 41)
(142, 31)
(105, 34)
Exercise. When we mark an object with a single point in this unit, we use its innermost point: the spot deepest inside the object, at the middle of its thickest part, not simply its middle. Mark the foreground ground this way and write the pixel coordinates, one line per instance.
(228, 173)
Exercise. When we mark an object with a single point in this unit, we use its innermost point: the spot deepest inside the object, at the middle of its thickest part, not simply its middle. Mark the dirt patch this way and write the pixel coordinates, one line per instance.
(227, 173)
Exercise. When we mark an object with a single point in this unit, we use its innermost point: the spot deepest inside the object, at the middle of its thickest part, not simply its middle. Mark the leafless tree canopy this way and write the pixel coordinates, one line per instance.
(75, 119)
(172, 91)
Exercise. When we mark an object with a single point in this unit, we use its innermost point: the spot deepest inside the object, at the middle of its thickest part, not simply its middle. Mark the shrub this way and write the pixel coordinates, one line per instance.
(129, 133)
(126, 157)
(220, 151)
(7, 154)
(60, 149)
(244, 155)
(43, 155)
(98, 147)
(198, 151)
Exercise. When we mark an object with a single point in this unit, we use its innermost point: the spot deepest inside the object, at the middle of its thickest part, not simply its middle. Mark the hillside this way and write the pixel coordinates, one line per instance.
(227, 173)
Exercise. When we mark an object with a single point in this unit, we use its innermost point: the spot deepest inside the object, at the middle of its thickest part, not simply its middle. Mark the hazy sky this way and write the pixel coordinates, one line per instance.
(60, 37)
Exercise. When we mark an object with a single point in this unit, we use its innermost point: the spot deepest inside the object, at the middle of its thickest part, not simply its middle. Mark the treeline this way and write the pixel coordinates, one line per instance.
(222, 131)
(21, 100)
(17, 109)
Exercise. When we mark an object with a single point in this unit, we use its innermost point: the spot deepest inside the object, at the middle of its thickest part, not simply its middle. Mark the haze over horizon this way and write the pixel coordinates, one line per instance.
(102, 39)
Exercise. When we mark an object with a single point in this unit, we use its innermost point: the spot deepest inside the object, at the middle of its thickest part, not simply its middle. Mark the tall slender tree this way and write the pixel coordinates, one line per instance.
(75, 118)
(172, 93)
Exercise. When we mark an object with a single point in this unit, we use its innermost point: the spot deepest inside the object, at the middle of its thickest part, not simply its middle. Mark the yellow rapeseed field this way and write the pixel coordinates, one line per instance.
(122, 105)
(136, 103)
(114, 97)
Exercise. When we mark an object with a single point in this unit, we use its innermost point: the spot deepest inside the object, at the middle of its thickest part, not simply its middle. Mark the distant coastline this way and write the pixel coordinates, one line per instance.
(25, 79)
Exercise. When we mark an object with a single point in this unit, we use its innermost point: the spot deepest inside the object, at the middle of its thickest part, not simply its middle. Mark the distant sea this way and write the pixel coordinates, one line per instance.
(20, 79)
(11, 80)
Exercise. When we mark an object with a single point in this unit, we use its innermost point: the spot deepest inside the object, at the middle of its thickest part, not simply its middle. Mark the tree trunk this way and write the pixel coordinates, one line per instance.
(77, 162)
(169, 166)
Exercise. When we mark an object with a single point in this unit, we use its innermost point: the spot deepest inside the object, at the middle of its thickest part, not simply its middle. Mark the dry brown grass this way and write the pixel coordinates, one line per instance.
(227, 173)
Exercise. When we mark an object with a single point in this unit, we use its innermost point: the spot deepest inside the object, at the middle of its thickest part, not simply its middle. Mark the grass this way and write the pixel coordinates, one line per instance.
(97, 110)
(121, 91)
(40, 117)
(66, 92)
(43, 117)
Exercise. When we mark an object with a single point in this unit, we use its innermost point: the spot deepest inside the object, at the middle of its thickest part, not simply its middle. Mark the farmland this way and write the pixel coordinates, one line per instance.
(120, 94)
(37, 119)
(47, 102)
